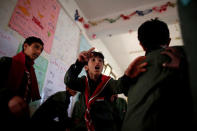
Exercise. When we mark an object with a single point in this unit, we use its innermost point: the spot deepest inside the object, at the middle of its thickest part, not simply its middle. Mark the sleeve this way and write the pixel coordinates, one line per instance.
(5, 64)
(71, 78)
(183, 68)
(46, 111)
(121, 85)
(5, 93)
(52, 113)
(78, 113)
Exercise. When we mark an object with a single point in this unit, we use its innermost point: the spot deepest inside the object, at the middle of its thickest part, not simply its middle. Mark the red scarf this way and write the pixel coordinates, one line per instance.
(16, 75)
(93, 98)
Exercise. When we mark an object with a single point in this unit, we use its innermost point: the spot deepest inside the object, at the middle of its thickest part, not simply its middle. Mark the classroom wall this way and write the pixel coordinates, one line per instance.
(50, 67)
(70, 7)
(6, 9)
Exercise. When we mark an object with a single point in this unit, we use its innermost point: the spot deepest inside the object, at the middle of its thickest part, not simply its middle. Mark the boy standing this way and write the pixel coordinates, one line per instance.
(98, 88)
(160, 99)
(19, 84)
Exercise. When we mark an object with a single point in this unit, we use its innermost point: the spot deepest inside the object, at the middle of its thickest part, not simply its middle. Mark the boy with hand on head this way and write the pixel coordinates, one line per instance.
(98, 88)
(160, 99)
(19, 84)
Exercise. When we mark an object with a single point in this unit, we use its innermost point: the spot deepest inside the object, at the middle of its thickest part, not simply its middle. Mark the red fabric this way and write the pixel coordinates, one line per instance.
(16, 75)
(93, 98)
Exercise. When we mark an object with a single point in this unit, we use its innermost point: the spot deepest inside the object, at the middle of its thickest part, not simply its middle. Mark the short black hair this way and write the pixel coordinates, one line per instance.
(97, 54)
(33, 39)
(153, 33)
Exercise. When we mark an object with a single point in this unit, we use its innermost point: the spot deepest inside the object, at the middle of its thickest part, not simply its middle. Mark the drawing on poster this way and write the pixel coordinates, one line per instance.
(32, 19)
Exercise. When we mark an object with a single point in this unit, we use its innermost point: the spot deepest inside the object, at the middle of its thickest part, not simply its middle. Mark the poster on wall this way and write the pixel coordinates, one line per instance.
(54, 81)
(36, 18)
(67, 36)
(8, 44)
(84, 46)
(40, 69)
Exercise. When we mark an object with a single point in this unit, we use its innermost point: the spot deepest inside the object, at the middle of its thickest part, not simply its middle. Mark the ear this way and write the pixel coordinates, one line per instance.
(169, 41)
(142, 46)
(25, 46)
(86, 67)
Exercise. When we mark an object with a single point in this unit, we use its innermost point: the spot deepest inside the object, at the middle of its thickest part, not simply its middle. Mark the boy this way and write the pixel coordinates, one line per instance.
(19, 84)
(55, 113)
(160, 99)
(98, 88)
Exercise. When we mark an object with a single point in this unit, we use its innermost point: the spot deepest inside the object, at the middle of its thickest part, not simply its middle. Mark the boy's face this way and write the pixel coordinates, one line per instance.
(33, 51)
(95, 66)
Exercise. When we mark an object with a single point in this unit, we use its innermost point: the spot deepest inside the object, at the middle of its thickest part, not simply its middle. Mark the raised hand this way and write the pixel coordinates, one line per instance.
(85, 55)
(136, 67)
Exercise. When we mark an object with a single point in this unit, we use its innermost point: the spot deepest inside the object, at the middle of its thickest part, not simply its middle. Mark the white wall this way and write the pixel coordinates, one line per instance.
(70, 6)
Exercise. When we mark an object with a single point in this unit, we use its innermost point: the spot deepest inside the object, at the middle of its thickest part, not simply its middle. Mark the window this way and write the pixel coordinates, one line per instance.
(107, 70)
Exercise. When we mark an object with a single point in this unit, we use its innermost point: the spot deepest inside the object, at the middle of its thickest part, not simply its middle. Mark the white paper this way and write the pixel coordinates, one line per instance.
(8, 44)
(54, 80)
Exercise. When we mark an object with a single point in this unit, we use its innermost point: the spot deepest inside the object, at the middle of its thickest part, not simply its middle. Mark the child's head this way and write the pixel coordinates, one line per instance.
(33, 47)
(95, 64)
(153, 34)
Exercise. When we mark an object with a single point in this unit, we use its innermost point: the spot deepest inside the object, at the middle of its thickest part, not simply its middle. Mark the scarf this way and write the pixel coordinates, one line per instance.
(93, 98)
(16, 75)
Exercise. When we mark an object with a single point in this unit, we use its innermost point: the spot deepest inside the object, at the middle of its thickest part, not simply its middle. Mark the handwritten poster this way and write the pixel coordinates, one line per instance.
(40, 69)
(54, 80)
(8, 44)
(67, 38)
(36, 18)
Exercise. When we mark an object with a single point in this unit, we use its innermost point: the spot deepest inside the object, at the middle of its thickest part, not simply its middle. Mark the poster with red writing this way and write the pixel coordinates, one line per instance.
(36, 18)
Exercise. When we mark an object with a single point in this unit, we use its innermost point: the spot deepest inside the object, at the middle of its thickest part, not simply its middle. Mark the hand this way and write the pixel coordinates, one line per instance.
(67, 129)
(136, 67)
(85, 55)
(18, 107)
(175, 57)
(113, 97)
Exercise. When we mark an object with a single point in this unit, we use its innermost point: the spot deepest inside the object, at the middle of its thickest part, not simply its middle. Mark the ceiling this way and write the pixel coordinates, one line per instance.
(120, 38)
(93, 9)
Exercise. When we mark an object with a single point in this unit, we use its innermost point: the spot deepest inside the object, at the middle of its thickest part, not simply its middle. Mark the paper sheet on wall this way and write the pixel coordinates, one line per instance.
(36, 18)
(54, 80)
(67, 38)
(8, 44)
(84, 46)
(40, 66)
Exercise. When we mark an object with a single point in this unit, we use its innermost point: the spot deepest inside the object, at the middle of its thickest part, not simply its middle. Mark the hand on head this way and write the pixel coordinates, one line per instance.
(136, 67)
(174, 55)
(85, 55)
